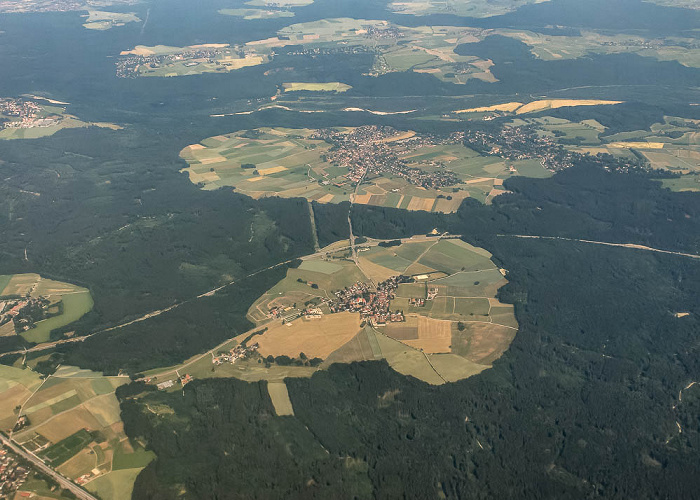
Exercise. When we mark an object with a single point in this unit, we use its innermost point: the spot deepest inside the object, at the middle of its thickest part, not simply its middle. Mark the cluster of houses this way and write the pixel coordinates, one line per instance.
(25, 114)
(12, 474)
(373, 305)
(373, 149)
(238, 352)
(23, 312)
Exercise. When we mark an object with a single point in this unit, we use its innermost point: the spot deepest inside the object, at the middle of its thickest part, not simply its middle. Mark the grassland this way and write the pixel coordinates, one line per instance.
(252, 14)
(73, 301)
(101, 20)
(289, 163)
(115, 485)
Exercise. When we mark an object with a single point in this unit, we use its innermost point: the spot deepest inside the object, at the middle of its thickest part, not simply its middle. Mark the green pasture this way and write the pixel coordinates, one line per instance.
(75, 305)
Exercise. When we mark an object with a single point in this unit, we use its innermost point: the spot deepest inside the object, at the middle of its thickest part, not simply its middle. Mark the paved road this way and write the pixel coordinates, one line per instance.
(80, 493)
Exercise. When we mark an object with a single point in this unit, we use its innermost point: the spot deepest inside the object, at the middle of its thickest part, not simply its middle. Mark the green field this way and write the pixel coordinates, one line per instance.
(4, 280)
(58, 453)
(75, 305)
(115, 485)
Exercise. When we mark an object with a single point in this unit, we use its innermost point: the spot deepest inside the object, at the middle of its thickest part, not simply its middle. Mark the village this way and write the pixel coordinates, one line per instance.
(13, 474)
(23, 312)
(22, 113)
(375, 150)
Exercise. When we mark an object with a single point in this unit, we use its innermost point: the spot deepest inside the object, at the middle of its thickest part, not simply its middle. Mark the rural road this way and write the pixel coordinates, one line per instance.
(214, 291)
(80, 493)
(633, 246)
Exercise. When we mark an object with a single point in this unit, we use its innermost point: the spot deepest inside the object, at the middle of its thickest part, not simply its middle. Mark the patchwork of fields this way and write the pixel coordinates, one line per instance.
(454, 326)
(74, 422)
(291, 163)
(68, 302)
(422, 49)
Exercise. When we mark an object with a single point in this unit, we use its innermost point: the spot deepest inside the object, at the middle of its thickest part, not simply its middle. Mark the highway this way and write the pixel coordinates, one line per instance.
(67, 484)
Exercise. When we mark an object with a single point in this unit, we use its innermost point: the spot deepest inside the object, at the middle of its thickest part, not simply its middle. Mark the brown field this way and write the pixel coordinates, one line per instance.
(508, 106)
(637, 145)
(271, 170)
(21, 284)
(315, 338)
(405, 135)
(484, 342)
(434, 335)
(417, 203)
(561, 103)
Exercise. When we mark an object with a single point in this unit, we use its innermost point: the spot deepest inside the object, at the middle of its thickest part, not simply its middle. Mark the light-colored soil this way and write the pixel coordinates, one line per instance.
(315, 338)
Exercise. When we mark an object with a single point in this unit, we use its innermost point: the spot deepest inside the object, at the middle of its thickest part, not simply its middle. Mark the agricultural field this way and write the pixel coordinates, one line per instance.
(316, 87)
(519, 108)
(454, 325)
(74, 421)
(554, 47)
(252, 14)
(101, 20)
(280, 3)
(292, 163)
(422, 49)
(475, 8)
(66, 303)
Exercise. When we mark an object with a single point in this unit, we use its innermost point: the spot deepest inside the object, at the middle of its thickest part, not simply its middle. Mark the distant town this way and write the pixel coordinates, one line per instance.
(23, 113)
(375, 150)
(523, 143)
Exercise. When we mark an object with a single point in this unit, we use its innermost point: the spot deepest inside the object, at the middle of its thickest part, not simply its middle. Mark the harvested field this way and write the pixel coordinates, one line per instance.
(482, 343)
(434, 335)
(68, 423)
(453, 368)
(407, 360)
(375, 271)
(315, 338)
(357, 349)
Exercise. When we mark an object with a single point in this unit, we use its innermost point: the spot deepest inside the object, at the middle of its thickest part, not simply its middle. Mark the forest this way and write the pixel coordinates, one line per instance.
(584, 403)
